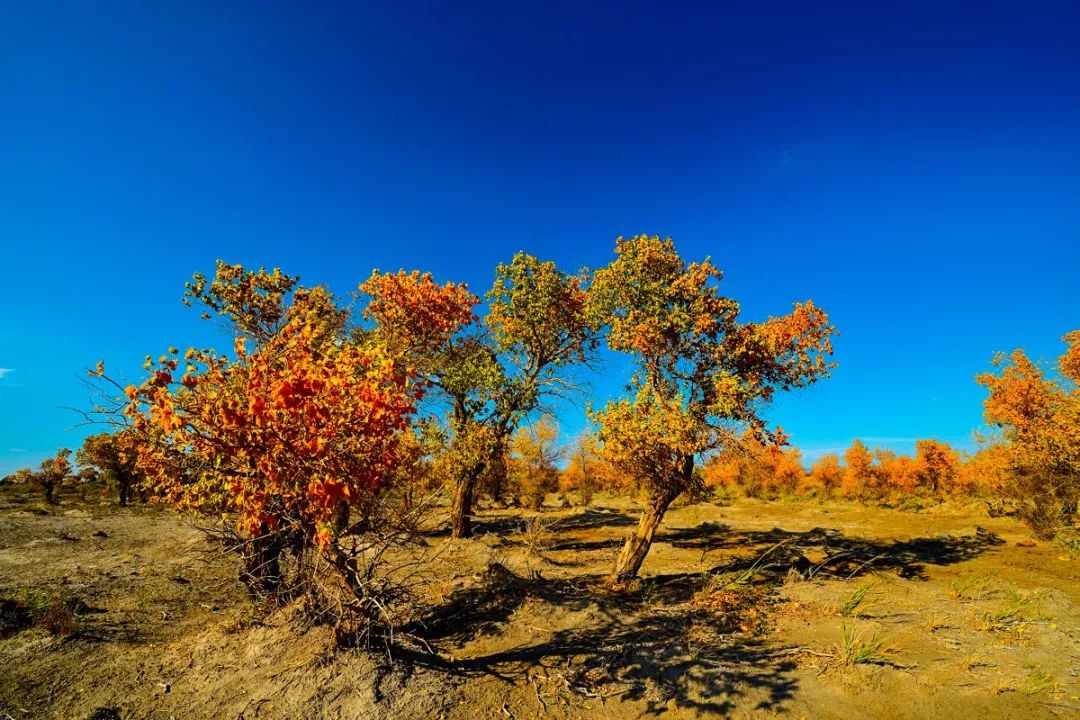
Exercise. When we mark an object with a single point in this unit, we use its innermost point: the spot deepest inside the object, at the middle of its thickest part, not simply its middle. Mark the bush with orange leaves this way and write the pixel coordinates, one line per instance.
(295, 438)
(1038, 415)
(826, 475)
(757, 469)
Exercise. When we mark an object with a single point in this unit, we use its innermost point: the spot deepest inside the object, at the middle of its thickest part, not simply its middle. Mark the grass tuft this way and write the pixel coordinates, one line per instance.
(857, 649)
(858, 599)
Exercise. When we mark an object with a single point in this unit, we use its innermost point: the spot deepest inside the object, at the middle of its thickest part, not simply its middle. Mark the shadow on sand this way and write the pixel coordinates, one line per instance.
(641, 639)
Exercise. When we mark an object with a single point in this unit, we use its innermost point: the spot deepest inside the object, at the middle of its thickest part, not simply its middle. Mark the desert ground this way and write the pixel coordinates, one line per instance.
(800, 609)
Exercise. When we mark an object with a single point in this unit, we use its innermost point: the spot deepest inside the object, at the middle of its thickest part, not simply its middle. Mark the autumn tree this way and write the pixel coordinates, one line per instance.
(701, 372)
(859, 471)
(788, 470)
(986, 471)
(534, 458)
(113, 456)
(897, 474)
(51, 473)
(586, 472)
(492, 374)
(827, 474)
(755, 467)
(1038, 415)
(937, 466)
(297, 423)
(22, 476)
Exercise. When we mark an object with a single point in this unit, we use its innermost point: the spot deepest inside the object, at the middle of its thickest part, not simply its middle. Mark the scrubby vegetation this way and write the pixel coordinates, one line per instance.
(329, 448)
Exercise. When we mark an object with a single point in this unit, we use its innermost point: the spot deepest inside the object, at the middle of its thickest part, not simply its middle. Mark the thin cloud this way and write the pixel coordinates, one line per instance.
(5, 371)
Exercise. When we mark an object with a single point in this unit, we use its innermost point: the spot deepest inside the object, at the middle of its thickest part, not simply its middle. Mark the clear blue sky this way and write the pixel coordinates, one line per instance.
(916, 171)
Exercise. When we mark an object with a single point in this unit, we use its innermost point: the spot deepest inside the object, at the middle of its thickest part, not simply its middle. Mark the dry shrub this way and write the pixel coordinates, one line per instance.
(364, 585)
(736, 608)
(535, 535)
(32, 607)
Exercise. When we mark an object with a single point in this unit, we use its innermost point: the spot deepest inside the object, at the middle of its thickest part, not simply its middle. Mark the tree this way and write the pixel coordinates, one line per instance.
(899, 474)
(859, 471)
(22, 476)
(51, 473)
(298, 424)
(534, 456)
(113, 456)
(489, 376)
(827, 474)
(1038, 417)
(701, 372)
(585, 472)
(937, 465)
(787, 470)
(757, 468)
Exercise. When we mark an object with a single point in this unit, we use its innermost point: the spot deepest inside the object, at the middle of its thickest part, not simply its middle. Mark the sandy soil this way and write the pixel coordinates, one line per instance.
(959, 620)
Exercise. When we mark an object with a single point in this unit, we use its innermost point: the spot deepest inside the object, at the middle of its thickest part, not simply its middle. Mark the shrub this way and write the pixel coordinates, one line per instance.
(1038, 416)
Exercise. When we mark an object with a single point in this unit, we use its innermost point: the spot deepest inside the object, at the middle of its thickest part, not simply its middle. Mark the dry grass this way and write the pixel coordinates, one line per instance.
(856, 648)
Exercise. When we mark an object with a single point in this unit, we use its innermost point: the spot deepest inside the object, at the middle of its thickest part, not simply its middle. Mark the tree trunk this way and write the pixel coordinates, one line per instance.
(497, 472)
(461, 510)
(342, 514)
(638, 543)
(262, 563)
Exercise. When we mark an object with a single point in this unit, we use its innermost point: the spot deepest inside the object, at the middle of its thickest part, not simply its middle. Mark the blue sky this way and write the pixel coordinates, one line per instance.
(915, 171)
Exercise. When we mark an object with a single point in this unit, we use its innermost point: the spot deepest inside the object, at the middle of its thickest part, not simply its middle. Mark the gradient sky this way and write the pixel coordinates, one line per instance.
(915, 171)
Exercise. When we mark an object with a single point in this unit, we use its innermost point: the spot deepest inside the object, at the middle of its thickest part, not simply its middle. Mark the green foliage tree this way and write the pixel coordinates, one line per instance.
(491, 375)
(701, 372)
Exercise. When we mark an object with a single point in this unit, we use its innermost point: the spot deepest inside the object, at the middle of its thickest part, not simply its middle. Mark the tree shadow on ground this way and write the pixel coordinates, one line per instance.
(834, 553)
(506, 525)
(638, 650)
(639, 641)
(592, 519)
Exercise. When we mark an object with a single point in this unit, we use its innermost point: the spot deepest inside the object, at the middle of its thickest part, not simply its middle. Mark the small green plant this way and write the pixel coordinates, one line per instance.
(35, 607)
(1071, 546)
(650, 594)
(1018, 609)
(1038, 681)
(715, 582)
(856, 649)
(858, 599)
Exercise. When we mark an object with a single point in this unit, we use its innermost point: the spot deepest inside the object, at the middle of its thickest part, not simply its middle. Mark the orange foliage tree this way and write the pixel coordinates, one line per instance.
(299, 423)
(826, 475)
(51, 473)
(534, 458)
(113, 456)
(860, 476)
(1038, 415)
(701, 374)
(587, 471)
(494, 374)
(756, 468)
(937, 466)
